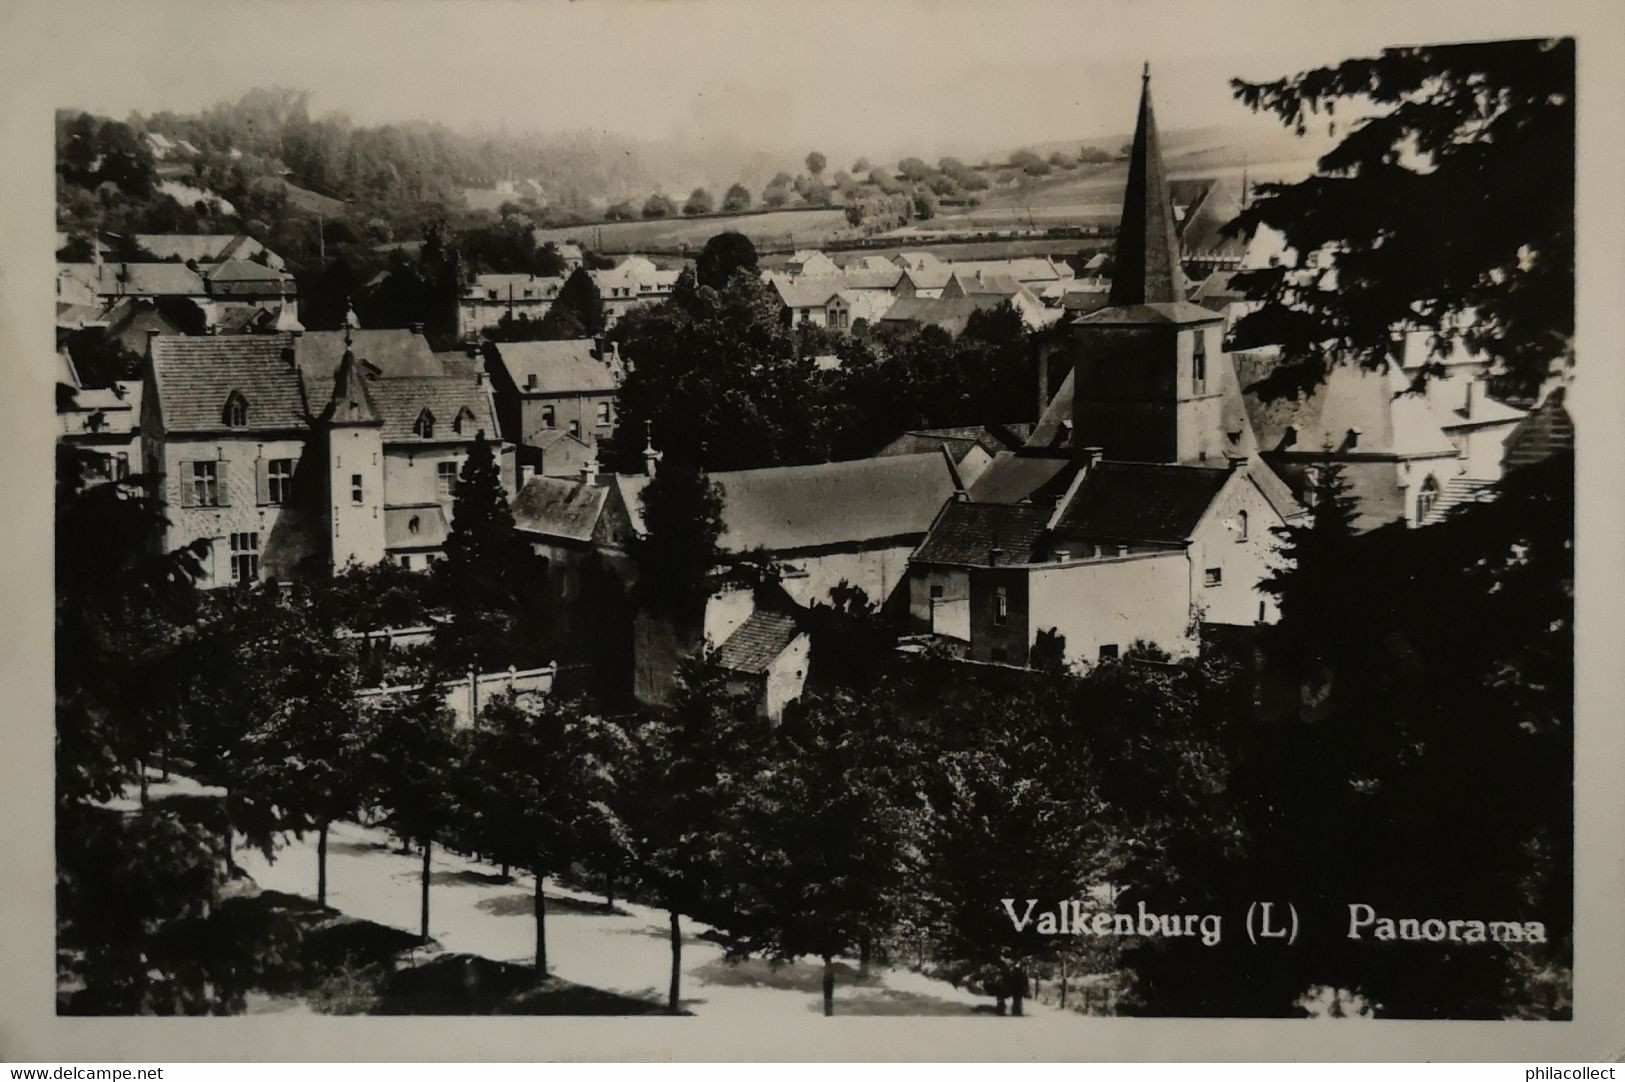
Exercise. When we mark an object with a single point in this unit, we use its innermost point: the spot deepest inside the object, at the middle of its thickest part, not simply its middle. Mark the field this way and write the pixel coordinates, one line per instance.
(778, 228)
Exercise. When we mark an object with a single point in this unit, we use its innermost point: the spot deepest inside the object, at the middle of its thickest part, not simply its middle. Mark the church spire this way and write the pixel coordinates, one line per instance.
(1147, 269)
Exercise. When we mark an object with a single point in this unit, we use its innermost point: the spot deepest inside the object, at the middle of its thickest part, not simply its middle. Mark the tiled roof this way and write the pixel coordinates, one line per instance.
(1141, 501)
(755, 644)
(1011, 478)
(949, 313)
(411, 526)
(1023, 268)
(917, 260)
(813, 292)
(1390, 420)
(1175, 313)
(351, 402)
(1546, 431)
(389, 353)
(832, 503)
(559, 366)
(402, 399)
(200, 247)
(149, 279)
(976, 283)
(967, 533)
(929, 276)
(243, 270)
(557, 507)
(866, 278)
(194, 376)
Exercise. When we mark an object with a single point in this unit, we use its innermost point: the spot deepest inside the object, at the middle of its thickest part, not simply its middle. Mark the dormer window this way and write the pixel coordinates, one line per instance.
(463, 421)
(236, 413)
(424, 427)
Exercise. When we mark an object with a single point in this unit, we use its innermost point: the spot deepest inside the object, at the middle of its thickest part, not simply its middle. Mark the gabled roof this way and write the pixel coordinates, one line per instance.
(784, 508)
(958, 441)
(1054, 428)
(200, 247)
(980, 282)
(929, 275)
(244, 270)
(1172, 313)
(538, 288)
(148, 279)
(1141, 501)
(418, 525)
(558, 366)
(1147, 266)
(807, 292)
(1022, 268)
(559, 507)
(390, 353)
(917, 260)
(402, 399)
(194, 376)
(949, 313)
(1390, 419)
(966, 533)
(1013, 477)
(757, 643)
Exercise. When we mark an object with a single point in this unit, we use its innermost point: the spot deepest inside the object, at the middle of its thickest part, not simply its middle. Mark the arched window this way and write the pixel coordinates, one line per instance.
(236, 414)
(1426, 497)
(1241, 526)
(424, 428)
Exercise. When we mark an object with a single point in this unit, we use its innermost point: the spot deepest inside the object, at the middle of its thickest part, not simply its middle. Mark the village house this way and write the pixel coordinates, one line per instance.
(207, 248)
(491, 298)
(293, 455)
(1008, 289)
(633, 281)
(104, 422)
(216, 288)
(556, 400)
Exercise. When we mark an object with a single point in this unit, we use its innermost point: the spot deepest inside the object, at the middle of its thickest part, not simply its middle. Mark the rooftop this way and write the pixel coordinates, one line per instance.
(559, 507)
(754, 645)
(966, 533)
(558, 366)
(1141, 501)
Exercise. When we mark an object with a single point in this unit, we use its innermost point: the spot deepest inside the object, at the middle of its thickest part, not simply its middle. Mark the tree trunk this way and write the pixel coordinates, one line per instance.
(829, 987)
(141, 779)
(505, 870)
(1063, 982)
(1018, 992)
(321, 866)
(609, 891)
(225, 811)
(541, 927)
(863, 953)
(998, 1004)
(676, 963)
(424, 934)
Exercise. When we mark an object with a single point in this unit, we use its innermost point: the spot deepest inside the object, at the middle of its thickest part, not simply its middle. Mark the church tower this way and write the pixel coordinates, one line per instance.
(1150, 371)
(355, 467)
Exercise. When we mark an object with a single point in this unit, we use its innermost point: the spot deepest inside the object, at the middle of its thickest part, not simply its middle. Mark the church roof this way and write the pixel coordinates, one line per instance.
(1147, 239)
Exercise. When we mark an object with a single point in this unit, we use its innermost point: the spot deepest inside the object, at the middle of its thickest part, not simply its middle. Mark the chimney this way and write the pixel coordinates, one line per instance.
(1353, 440)
(1092, 456)
(589, 472)
(417, 329)
(1062, 556)
(994, 555)
(525, 474)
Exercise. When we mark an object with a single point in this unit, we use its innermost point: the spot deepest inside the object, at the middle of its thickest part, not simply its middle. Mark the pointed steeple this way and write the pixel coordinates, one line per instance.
(1147, 241)
(351, 403)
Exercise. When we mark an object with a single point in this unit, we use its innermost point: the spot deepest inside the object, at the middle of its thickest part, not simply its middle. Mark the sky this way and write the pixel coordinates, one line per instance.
(847, 77)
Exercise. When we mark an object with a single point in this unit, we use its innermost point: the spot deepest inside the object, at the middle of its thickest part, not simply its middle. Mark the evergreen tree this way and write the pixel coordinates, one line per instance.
(723, 256)
(678, 555)
(578, 311)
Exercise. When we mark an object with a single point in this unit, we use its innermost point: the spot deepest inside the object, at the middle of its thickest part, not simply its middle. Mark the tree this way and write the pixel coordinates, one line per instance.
(548, 262)
(319, 728)
(122, 606)
(781, 179)
(1384, 213)
(678, 554)
(545, 774)
(816, 163)
(737, 198)
(699, 202)
(489, 574)
(775, 195)
(622, 211)
(414, 760)
(694, 761)
(723, 256)
(578, 311)
(825, 843)
(101, 359)
(861, 166)
(925, 205)
(659, 205)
